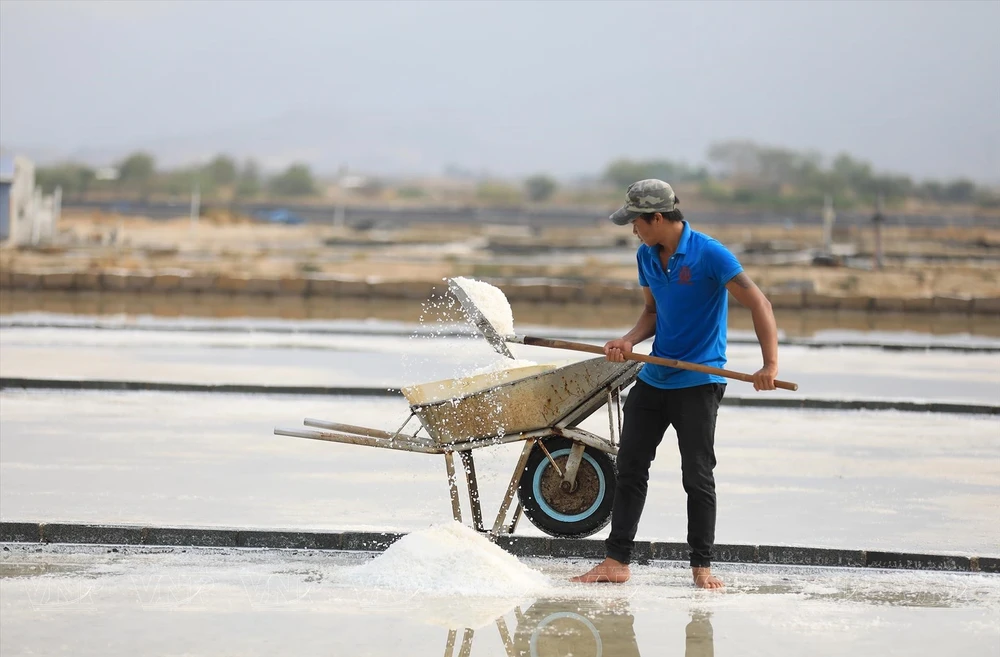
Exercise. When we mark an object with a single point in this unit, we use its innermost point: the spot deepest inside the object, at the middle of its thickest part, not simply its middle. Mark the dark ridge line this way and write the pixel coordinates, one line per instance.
(522, 546)
(14, 383)
(7, 383)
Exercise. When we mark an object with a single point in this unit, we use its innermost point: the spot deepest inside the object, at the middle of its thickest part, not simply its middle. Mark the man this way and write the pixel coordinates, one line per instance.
(684, 277)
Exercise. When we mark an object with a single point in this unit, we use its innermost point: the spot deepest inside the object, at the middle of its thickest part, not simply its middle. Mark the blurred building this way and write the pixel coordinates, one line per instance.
(26, 215)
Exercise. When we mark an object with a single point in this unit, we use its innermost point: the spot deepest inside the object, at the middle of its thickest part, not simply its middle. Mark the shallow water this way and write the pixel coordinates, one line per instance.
(89, 601)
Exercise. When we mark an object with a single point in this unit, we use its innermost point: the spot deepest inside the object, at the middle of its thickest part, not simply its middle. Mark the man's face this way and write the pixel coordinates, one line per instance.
(644, 230)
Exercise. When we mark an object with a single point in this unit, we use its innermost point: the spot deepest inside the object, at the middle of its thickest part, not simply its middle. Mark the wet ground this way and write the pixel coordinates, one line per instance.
(849, 479)
(860, 480)
(89, 601)
(385, 355)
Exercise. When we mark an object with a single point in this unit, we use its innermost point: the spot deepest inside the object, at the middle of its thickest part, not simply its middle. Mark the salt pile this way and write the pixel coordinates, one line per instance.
(491, 302)
(449, 559)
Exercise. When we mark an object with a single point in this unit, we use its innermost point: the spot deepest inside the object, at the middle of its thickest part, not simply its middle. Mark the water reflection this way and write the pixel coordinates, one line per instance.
(559, 627)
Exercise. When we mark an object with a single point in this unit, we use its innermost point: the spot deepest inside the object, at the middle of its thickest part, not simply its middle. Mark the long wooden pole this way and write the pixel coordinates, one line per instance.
(669, 362)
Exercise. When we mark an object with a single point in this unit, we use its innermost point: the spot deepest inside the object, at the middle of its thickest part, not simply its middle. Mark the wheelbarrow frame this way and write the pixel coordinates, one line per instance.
(580, 407)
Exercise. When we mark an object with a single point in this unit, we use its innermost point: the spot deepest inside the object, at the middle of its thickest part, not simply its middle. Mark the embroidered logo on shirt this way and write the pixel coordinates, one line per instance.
(684, 276)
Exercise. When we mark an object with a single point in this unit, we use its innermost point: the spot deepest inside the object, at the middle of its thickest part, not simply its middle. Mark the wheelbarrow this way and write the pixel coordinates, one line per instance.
(566, 486)
(564, 479)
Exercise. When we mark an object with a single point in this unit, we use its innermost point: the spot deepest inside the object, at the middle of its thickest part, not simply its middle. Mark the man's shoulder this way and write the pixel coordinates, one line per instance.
(714, 254)
(702, 238)
(706, 243)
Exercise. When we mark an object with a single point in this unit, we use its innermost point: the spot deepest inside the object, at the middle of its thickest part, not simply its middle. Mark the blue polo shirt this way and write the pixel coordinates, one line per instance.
(691, 307)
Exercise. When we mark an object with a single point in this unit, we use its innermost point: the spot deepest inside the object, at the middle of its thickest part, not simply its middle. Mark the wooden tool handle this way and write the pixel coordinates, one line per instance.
(669, 362)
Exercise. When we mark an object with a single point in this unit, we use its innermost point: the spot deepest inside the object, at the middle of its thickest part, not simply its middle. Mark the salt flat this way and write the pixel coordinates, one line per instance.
(90, 601)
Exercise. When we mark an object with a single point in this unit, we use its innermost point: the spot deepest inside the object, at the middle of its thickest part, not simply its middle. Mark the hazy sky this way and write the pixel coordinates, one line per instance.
(514, 87)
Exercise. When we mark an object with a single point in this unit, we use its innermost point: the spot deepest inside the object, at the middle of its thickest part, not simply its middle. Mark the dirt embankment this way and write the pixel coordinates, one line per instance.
(943, 269)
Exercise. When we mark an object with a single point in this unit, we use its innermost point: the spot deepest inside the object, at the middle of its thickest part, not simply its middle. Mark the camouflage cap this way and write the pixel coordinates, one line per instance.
(644, 197)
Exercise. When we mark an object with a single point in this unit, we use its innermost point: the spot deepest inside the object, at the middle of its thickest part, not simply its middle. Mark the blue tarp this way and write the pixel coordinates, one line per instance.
(6, 168)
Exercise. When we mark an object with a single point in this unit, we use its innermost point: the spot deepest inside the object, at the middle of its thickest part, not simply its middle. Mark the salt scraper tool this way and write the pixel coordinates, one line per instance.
(479, 320)
(499, 343)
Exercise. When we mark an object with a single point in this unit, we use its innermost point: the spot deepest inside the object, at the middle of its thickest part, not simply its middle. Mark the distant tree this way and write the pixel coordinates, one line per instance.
(988, 198)
(956, 191)
(248, 180)
(931, 190)
(539, 187)
(623, 173)
(73, 179)
(297, 180)
(851, 174)
(137, 168)
(893, 187)
(221, 171)
(960, 191)
(137, 172)
(182, 182)
(735, 159)
(745, 162)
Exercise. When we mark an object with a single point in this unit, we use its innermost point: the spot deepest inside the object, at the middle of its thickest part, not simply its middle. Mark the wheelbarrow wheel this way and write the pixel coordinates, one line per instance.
(576, 514)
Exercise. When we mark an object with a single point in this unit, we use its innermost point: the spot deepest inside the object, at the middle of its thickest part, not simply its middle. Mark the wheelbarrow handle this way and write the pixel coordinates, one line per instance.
(669, 362)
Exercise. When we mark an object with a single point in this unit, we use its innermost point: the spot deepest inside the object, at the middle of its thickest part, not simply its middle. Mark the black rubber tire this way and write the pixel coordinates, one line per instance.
(585, 511)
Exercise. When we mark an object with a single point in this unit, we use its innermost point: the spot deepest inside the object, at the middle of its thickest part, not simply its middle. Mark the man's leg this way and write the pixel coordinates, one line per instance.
(694, 411)
(645, 421)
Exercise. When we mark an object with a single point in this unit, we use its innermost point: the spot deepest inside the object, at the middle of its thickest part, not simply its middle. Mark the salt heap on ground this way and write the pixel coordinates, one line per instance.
(449, 559)
(491, 302)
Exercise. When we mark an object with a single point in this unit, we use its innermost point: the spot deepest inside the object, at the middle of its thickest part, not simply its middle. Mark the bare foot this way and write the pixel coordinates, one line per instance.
(608, 570)
(704, 579)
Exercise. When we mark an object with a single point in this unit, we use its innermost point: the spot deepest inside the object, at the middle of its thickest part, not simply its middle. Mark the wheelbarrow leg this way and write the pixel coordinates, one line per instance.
(517, 516)
(456, 506)
(508, 645)
(522, 463)
(449, 647)
(469, 465)
(568, 483)
(466, 648)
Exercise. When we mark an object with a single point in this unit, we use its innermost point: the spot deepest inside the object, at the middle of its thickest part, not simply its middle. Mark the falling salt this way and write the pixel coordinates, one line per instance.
(449, 559)
(491, 302)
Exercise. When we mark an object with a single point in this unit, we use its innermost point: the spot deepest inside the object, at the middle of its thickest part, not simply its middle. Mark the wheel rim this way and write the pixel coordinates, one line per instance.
(536, 488)
(533, 643)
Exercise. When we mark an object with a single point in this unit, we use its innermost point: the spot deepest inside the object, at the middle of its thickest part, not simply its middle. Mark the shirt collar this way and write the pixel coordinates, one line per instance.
(685, 238)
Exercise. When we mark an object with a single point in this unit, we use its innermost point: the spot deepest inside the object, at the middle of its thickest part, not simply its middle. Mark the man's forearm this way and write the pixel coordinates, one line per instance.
(645, 327)
(766, 329)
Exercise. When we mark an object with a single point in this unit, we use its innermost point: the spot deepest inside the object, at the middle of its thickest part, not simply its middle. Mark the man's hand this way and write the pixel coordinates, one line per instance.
(763, 379)
(618, 350)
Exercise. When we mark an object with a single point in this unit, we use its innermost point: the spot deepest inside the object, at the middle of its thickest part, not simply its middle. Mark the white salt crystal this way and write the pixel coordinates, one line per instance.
(491, 302)
(449, 559)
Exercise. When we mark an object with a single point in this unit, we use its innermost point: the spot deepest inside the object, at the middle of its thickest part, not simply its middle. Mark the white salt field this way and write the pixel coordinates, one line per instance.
(884, 480)
(844, 479)
(368, 358)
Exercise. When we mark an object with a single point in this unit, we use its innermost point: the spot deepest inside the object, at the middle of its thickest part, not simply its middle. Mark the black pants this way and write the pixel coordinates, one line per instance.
(648, 413)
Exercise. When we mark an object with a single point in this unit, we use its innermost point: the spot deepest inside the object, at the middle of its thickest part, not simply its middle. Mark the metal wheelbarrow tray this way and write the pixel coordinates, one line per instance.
(565, 487)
